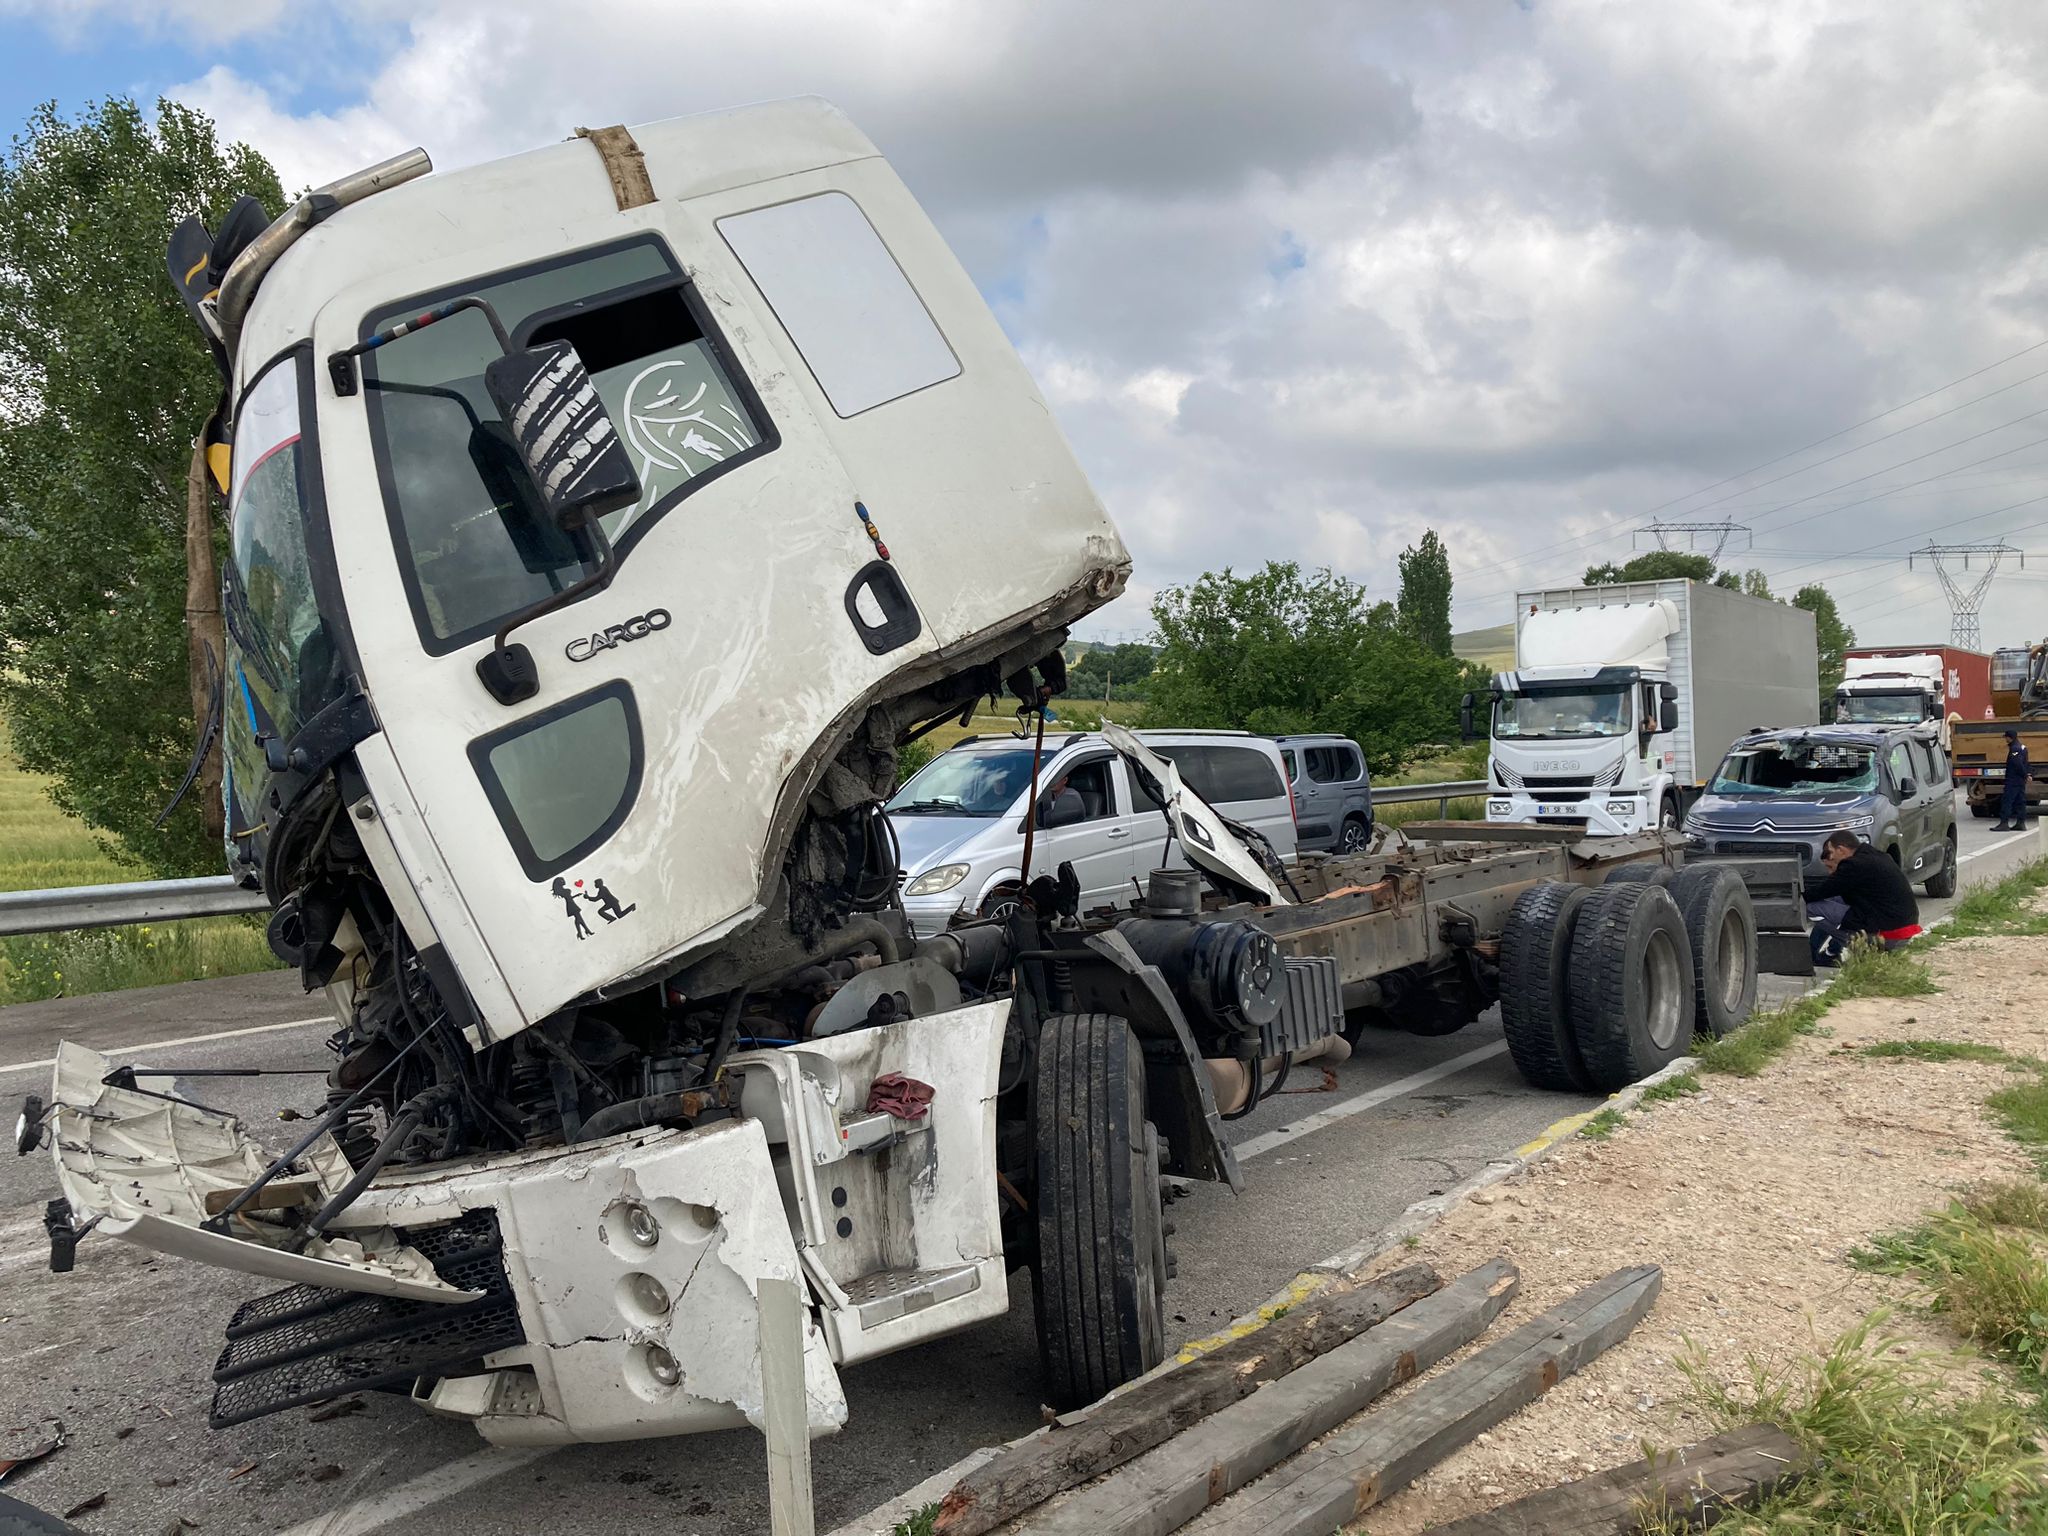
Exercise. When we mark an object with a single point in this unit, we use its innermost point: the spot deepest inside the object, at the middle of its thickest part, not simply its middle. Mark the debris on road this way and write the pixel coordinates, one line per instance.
(241, 1471)
(336, 1410)
(86, 1505)
(51, 1438)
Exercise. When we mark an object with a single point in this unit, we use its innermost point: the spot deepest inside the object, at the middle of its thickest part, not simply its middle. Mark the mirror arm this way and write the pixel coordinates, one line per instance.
(341, 366)
(508, 671)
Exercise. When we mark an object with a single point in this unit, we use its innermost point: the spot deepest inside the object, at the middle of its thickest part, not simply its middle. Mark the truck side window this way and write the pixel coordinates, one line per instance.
(471, 546)
(562, 779)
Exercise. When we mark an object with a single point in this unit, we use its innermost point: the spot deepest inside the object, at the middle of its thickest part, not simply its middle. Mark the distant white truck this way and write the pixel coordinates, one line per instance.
(1624, 698)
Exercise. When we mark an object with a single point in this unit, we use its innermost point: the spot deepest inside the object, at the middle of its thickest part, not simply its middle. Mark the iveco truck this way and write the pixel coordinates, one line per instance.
(1905, 685)
(1623, 699)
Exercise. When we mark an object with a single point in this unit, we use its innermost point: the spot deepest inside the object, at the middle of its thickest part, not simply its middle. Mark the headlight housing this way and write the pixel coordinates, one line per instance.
(1499, 807)
(937, 879)
(1621, 807)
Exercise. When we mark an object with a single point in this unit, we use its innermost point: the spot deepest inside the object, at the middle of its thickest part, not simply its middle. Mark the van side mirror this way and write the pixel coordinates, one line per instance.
(1465, 719)
(1667, 714)
(1908, 789)
(572, 452)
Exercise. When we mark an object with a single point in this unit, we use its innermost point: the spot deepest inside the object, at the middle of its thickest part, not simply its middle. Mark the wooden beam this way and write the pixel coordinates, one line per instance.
(1691, 1487)
(1327, 1487)
(1164, 1489)
(1109, 1433)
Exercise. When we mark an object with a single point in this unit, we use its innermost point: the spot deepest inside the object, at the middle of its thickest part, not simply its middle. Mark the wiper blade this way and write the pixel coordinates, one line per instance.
(931, 805)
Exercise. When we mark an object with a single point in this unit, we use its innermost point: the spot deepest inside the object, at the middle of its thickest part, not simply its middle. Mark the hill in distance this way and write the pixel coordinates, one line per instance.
(1493, 647)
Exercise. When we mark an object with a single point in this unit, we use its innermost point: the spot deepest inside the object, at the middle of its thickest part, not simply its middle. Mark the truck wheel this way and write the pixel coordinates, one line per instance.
(1354, 836)
(1641, 872)
(1720, 924)
(1944, 883)
(1667, 814)
(1535, 992)
(1100, 1279)
(1631, 983)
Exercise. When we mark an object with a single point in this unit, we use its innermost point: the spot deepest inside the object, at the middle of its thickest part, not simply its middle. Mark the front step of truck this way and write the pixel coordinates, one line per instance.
(307, 1343)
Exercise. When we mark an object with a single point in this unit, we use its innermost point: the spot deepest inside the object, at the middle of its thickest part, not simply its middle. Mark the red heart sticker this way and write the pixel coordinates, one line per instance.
(579, 882)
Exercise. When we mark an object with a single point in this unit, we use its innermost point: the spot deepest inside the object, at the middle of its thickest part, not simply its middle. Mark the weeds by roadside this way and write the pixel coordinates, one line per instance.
(1983, 1260)
(1602, 1125)
(2001, 909)
(2022, 1113)
(1892, 1451)
(45, 965)
(1682, 1086)
(1867, 972)
(1937, 1050)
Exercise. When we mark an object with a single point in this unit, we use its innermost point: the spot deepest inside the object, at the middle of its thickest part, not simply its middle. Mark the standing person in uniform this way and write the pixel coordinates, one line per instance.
(2012, 810)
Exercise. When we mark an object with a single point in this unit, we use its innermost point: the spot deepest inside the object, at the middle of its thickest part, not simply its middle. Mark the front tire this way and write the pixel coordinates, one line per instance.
(1944, 883)
(1099, 1283)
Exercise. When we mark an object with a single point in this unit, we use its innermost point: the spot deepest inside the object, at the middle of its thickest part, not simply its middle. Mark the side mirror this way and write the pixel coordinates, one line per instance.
(1908, 789)
(1667, 714)
(1465, 719)
(572, 452)
(1668, 692)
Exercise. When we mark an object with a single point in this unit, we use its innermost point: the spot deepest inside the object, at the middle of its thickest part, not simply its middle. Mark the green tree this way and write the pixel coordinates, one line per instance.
(1653, 565)
(1121, 670)
(103, 386)
(1279, 651)
(1833, 634)
(1425, 599)
(1756, 584)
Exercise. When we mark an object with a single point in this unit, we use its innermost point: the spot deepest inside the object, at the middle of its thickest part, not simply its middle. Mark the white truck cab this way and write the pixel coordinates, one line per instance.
(1581, 732)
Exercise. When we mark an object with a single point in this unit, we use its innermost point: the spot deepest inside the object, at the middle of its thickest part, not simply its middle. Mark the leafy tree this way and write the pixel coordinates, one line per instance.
(1756, 584)
(1653, 565)
(103, 386)
(1121, 670)
(1425, 600)
(1833, 634)
(1279, 651)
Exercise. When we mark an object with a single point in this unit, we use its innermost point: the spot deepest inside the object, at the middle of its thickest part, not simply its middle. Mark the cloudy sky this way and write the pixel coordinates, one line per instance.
(1303, 279)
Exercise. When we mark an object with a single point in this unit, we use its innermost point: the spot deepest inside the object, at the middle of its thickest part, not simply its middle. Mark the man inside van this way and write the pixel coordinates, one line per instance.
(1879, 898)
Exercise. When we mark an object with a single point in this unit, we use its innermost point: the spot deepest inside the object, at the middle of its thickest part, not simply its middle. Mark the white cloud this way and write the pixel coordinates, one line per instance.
(1305, 279)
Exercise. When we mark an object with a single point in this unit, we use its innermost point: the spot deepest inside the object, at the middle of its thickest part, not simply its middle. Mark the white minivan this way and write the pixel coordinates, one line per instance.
(959, 821)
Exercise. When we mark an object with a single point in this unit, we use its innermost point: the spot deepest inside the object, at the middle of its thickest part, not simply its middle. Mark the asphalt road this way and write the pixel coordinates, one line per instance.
(121, 1349)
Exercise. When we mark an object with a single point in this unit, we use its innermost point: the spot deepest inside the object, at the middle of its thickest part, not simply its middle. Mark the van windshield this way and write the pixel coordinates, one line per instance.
(979, 784)
(1551, 716)
(1797, 768)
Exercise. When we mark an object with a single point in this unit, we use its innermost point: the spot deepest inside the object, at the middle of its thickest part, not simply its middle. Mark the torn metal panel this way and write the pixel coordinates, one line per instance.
(142, 1167)
(899, 1220)
(636, 1262)
(1207, 839)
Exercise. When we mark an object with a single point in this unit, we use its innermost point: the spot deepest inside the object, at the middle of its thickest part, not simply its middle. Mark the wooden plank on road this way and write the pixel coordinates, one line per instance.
(1111, 1432)
(1691, 1488)
(1326, 1487)
(1169, 1486)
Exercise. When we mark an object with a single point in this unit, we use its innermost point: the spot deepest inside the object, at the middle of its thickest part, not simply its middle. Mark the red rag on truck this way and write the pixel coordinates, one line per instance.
(904, 1097)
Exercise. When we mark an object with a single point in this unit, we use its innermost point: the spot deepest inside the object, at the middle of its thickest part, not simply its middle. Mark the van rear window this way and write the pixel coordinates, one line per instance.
(1223, 774)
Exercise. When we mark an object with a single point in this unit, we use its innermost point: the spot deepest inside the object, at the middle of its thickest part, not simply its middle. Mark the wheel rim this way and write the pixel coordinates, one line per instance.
(1667, 818)
(1662, 1010)
(999, 908)
(1353, 838)
(1729, 953)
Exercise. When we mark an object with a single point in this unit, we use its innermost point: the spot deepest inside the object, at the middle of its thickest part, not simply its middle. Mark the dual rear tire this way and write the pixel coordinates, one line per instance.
(1602, 987)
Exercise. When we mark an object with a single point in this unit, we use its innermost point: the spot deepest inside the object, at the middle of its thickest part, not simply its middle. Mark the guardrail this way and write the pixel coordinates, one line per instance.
(168, 901)
(1442, 793)
(109, 906)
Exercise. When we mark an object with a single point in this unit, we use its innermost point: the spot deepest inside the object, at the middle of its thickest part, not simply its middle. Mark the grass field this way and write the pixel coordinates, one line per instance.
(40, 846)
(1493, 647)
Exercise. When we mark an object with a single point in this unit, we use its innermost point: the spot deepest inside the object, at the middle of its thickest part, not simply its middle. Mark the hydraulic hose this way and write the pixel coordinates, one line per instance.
(403, 1124)
(638, 1114)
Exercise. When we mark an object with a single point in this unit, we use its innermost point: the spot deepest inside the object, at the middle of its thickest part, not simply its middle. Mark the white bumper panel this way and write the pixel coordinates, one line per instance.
(143, 1167)
(898, 1220)
(626, 1337)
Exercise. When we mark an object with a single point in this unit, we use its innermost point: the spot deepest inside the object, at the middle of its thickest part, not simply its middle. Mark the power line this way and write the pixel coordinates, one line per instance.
(1582, 541)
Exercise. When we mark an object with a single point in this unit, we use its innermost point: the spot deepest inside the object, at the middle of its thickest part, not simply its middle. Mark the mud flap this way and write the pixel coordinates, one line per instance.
(139, 1167)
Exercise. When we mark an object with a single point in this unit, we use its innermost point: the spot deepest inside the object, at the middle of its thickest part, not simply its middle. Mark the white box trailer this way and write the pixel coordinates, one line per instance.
(1624, 698)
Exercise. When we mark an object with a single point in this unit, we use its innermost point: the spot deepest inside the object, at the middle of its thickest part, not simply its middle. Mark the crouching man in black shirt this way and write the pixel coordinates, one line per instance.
(1879, 897)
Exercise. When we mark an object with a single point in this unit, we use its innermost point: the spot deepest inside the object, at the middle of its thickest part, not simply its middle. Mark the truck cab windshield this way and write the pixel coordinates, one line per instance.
(983, 785)
(1561, 716)
(1797, 768)
(1880, 708)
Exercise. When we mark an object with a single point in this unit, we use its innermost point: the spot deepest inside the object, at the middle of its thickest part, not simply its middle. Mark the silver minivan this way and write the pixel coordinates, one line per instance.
(959, 821)
(1332, 792)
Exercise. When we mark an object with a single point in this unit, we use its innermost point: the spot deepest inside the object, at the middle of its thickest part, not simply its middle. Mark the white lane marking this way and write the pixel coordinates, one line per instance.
(1993, 847)
(158, 1045)
(422, 1492)
(1294, 1130)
